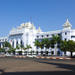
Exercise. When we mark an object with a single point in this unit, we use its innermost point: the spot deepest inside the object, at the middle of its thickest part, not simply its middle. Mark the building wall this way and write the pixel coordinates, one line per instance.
(26, 34)
(2, 40)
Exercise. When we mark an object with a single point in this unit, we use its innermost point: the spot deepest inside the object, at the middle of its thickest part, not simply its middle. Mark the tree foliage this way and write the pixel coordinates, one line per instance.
(7, 44)
(2, 50)
(68, 46)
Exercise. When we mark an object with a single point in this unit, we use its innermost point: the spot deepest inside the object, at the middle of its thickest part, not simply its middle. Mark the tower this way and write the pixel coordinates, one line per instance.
(67, 25)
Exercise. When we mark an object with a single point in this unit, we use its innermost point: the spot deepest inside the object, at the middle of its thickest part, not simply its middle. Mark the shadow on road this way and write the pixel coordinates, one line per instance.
(59, 65)
(38, 73)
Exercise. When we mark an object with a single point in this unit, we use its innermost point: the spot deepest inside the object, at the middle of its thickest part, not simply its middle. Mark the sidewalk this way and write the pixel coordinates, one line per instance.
(41, 57)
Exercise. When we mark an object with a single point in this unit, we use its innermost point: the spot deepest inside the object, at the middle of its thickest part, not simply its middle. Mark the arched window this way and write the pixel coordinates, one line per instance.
(47, 35)
(13, 44)
(16, 43)
(42, 36)
(0, 45)
(21, 42)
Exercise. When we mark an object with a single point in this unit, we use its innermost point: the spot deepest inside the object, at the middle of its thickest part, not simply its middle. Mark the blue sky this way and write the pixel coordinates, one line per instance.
(48, 14)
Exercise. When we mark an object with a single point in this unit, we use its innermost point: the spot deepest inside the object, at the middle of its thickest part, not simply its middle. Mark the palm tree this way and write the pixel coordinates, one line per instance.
(63, 46)
(37, 44)
(47, 44)
(28, 47)
(55, 41)
(2, 50)
(7, 46)
(18, 46)
(13, 50)
(41, 45)
(25, 50)
(71, 46)
(68, 46)
(21, 46)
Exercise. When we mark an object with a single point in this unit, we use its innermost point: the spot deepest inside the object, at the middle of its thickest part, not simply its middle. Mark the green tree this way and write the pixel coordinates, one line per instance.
(7, 44)
(13, 50)
(55, 41)
(68, 46)
(2, 50)
(37, 43)
(18, 46)
(46, 43)
(71, 46)
(22, 46)
(41, 45)
(63, 46)
(28, 47)
(25, 50)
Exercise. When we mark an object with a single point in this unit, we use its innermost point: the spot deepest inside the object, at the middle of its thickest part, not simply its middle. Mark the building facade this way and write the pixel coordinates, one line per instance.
(26, 34)
(2, 40)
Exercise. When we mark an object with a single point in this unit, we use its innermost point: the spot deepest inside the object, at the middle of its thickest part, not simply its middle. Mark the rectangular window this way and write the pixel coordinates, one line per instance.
(72, 36)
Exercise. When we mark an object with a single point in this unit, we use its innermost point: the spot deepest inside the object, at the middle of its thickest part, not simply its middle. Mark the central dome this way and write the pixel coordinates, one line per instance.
(27, 25)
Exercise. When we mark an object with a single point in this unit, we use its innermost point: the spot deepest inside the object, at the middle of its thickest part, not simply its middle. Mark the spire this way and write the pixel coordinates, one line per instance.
(39, 29)
(67, 24)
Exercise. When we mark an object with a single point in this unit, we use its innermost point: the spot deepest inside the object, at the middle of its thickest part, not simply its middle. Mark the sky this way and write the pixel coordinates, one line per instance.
(48, 14)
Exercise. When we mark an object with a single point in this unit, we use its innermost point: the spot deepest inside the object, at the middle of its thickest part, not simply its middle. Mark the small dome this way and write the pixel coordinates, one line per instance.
(28, 24)
(23, 24)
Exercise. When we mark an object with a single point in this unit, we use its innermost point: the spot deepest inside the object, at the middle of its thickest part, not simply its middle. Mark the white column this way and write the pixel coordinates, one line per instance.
(49, 51)
(10, 42)
(1, 45)
(19, 41)
(55, 49)
(14, 43)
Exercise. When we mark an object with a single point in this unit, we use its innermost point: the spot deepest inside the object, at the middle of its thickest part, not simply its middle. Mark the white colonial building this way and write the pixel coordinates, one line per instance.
(26, 34)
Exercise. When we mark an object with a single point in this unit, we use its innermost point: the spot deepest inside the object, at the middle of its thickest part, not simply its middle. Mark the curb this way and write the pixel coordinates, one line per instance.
(62, 58)
(20, 56)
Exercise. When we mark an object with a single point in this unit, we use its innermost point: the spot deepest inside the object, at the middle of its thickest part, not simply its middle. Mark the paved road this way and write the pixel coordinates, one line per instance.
(29, 66)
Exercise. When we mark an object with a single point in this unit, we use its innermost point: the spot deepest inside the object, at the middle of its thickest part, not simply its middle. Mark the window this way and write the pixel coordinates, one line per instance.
(42, 35)
(13, 44)
(17, 43)
(21, 42)
(72, 36)
(65, 39)
(59, 34)
(52, 52)
(65, 33)
(37, 36)
(47, 35)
